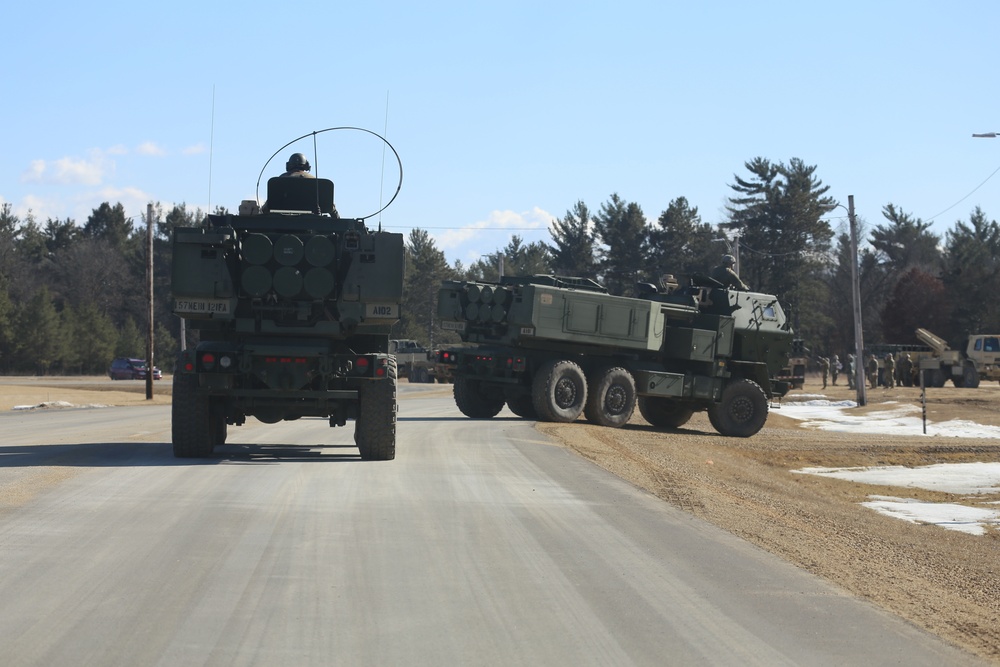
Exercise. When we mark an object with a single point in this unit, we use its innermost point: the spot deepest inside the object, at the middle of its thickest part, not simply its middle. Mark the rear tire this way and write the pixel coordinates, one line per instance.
(970, 378)
(742, 410)
(559, 391)
(522, 406)
(190, 423)
(476, 401)
(220, 429)
(375, 426)
(610, 398)
(664, 412)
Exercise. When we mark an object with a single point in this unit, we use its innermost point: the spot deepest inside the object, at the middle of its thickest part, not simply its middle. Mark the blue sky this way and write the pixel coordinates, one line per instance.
(504, 114)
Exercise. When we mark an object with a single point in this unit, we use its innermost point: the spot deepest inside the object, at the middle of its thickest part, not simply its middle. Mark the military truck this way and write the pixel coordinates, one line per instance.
(977, 359)
(413, 360)
(553, 347)
(446, 359)
(294, 308)
(794, 372)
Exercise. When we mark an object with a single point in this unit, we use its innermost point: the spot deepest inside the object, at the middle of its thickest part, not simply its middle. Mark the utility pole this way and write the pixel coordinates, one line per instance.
(859, 342)
(149, 297)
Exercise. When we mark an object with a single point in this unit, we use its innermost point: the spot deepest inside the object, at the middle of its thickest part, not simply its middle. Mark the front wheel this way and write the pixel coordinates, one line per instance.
(742, 410)
(610, 398)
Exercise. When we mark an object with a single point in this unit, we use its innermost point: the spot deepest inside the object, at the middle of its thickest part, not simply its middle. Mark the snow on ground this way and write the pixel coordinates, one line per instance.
(963, 479)
(818, 412)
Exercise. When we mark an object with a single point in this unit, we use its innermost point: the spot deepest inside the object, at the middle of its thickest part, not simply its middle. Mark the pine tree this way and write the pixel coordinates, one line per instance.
(972, 274)
(784, 240)
(425, 269)
(37, 332)
(623, 261)
(573, 244)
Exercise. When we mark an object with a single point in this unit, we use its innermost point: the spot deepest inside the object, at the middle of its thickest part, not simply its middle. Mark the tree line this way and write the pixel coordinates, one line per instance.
(72, 297)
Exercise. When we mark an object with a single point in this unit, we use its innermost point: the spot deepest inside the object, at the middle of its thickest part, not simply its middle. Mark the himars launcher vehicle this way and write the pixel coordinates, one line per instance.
(294, 306)
(551, 348)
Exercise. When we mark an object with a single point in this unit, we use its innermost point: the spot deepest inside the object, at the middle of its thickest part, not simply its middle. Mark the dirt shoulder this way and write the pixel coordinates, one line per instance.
(942, 580)
(42, 393)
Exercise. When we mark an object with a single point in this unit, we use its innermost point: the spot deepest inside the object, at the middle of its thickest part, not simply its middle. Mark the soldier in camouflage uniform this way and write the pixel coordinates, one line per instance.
(905, 371)
(873, 371)
(824, 368)
(890, 371)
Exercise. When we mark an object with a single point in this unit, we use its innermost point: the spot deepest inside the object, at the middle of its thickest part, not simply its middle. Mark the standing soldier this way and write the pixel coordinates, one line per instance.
(905, 371)
(890, 371)
(824, 367)
(873, 371)
(834, 369)
(851, 371)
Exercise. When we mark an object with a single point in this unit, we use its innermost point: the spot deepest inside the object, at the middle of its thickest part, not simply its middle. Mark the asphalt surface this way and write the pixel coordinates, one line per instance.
(482, 544)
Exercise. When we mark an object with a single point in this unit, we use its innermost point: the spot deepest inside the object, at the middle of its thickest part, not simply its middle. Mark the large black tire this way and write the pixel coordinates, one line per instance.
(375, 427)
(970, 378)
(190, 422)
(559, 391)
(935, 378)
(220, 429)
(522, 405)
(664, 412)
(610, 398)
(476, 401)
(742, 410)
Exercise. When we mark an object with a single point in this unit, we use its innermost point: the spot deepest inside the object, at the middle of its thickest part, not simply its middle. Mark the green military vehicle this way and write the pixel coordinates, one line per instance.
(413, 361)
(294, 306)
(551, 348)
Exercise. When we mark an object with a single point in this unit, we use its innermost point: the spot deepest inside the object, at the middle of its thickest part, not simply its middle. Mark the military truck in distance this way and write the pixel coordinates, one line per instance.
(294, 307)
(413, 360)
(552, 347)
(978, 359)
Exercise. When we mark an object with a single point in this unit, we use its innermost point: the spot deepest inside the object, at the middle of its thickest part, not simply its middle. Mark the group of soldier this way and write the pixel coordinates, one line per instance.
(897, 370)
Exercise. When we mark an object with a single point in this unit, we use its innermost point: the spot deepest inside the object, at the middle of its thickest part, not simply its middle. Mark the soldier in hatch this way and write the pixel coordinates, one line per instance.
(298, 166)
(724, 273)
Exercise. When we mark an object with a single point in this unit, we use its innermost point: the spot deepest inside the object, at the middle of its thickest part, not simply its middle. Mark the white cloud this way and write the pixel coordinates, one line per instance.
(117, 149)
(532, 219)
(150, 148)
(69, 170)
(196, 149)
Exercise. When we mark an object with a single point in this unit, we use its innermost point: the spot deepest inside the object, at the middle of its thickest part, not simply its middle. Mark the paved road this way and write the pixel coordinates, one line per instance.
(481, 544)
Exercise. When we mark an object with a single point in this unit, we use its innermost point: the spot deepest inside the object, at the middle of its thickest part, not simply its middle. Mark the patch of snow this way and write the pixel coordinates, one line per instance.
(972, 520)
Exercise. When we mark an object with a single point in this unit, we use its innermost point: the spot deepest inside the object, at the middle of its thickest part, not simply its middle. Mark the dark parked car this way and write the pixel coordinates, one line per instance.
(131, 369)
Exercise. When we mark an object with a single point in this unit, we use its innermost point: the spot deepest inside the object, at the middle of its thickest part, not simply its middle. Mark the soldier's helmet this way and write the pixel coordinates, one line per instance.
(297, 162)
(728, 260)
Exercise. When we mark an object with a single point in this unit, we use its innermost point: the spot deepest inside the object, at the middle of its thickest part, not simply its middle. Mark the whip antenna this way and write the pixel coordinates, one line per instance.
(211, 153)
(381, 182)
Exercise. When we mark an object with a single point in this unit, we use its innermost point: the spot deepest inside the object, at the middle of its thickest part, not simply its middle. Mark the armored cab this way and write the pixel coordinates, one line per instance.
(552, 347)
(294, 306)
